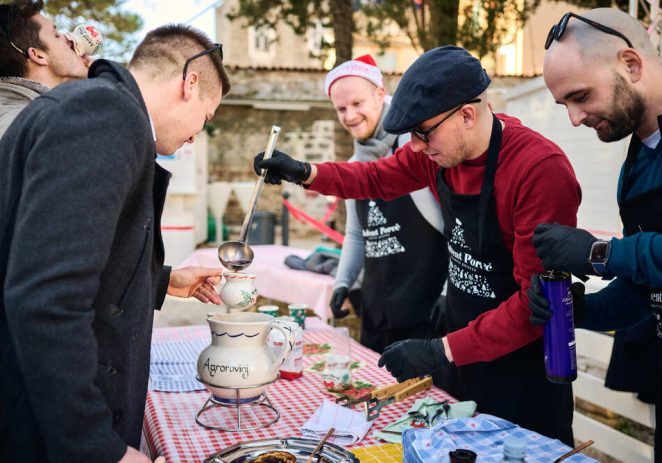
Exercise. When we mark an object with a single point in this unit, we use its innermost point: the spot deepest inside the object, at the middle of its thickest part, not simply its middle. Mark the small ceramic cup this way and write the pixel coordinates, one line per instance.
(269, 310)
(86, 39)
(239, 291)
(298, 312)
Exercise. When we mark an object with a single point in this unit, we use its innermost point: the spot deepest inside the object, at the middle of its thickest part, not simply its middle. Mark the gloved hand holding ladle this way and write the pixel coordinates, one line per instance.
(237, 255)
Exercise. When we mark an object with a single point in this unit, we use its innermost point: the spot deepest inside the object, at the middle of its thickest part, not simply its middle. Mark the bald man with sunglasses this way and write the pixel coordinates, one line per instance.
(604, 69)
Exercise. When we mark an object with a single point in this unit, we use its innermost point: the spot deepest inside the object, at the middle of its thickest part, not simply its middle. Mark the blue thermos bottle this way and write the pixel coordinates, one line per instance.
(559, 335)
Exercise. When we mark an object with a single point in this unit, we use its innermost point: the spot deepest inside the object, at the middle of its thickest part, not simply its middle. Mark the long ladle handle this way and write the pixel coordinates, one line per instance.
(257, 189)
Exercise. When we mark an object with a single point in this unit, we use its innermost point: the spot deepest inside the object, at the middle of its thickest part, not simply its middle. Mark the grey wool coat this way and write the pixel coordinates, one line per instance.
(81, 266)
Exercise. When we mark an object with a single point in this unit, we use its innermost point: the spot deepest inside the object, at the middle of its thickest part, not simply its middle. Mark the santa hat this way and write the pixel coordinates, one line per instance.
(363, 66)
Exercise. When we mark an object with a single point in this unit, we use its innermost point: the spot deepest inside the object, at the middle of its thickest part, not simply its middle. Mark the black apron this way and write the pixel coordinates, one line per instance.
(480, 277)
(643, 213)
(405, 268)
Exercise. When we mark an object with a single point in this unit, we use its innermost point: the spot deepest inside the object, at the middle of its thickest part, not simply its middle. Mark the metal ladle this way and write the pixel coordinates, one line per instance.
(237, 255)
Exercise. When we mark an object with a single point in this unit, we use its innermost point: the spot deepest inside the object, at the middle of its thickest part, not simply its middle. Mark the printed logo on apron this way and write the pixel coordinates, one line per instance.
(465, 272)
(380, 239)
(656, 307)
(642, 212)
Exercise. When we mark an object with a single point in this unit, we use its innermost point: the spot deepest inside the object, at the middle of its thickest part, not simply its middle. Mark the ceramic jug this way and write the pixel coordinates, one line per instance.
(239, 291)
(239, 355)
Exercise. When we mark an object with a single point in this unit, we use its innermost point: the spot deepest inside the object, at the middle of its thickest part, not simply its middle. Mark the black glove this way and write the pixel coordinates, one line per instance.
(539, 305)
(564, 248)
(413, 357)
(337, 298)
(281, 167)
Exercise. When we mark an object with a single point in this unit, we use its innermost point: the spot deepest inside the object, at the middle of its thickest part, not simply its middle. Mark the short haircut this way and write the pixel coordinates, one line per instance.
(18, 28)
(596, 44)
(164, 52)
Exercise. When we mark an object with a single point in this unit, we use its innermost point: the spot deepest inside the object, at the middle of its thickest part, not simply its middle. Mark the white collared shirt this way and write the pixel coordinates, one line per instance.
(652, 140)
(151, 124)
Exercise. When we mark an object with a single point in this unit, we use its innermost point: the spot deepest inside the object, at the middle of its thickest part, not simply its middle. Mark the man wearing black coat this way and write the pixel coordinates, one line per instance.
(81, 255)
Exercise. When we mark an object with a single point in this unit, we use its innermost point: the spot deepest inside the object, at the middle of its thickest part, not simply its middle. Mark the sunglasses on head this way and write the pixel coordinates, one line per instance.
(557, 30)
(217, 46)
(424, 135)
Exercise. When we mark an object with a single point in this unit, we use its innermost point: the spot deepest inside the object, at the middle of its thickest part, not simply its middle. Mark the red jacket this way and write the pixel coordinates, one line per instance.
(534, 184)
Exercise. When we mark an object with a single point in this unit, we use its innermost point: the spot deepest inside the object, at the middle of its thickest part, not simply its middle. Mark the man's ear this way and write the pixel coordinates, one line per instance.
(469, 115)
(634, 63)
(380, 92)
(191, 85)
(37, 56)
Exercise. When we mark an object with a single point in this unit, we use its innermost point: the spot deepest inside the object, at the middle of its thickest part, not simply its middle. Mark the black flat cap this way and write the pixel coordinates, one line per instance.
(438, 81)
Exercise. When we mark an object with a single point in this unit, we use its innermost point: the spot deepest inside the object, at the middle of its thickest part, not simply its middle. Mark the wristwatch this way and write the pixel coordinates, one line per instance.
(599, 256)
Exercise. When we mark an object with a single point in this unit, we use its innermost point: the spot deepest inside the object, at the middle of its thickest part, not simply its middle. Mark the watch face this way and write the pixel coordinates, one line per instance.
(599, 251)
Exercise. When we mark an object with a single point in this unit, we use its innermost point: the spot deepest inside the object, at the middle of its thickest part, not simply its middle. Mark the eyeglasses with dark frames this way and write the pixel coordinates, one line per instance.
(557, 30)
(424, 135)
(217, 46)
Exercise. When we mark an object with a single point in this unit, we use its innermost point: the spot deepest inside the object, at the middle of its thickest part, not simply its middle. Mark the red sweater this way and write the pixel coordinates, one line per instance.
(534, 184)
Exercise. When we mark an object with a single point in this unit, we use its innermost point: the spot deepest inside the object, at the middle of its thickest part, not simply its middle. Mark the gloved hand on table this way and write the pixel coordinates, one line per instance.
(539, 305)
(281, 167)
(337, 298)
(413, 357)
(564, 248)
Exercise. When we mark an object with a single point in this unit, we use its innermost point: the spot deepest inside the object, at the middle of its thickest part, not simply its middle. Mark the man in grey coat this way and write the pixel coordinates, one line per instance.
(34, 57)
(81, 255)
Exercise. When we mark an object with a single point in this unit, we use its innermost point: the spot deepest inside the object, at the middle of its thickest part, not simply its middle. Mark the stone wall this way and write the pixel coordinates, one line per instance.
(244, 131)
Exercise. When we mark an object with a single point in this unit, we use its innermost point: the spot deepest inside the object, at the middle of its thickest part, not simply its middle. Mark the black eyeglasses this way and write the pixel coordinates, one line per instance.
(557, 30)
(424, 135)
(217, 46)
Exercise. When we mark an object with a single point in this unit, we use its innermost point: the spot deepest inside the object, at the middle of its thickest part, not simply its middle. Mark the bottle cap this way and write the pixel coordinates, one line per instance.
(86, 39)
(514, 447)
(555, 275)
(462, 456)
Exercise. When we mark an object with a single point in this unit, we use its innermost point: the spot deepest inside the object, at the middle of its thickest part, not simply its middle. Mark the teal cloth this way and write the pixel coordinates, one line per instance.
(426, 406)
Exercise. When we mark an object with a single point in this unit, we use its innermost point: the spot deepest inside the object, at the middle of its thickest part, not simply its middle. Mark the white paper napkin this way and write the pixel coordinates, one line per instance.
(172, 366)
(351, 427)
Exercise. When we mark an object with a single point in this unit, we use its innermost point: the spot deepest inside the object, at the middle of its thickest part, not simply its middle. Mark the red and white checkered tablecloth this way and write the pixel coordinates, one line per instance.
(170, 429)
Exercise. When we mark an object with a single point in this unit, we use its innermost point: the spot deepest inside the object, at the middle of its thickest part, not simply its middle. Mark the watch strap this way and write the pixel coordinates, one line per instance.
(599, 265)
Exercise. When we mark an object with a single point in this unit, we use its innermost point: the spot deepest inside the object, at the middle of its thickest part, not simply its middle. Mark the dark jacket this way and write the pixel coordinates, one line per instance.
(81, 265)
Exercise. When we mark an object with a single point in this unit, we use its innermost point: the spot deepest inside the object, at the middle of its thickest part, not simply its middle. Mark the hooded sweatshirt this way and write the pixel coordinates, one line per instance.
(15, 94)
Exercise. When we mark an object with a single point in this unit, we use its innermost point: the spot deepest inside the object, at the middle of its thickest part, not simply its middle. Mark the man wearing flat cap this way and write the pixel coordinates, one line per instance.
(495, 181)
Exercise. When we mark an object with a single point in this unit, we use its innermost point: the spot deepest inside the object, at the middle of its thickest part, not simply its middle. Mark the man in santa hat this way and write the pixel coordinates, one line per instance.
(388, 240)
